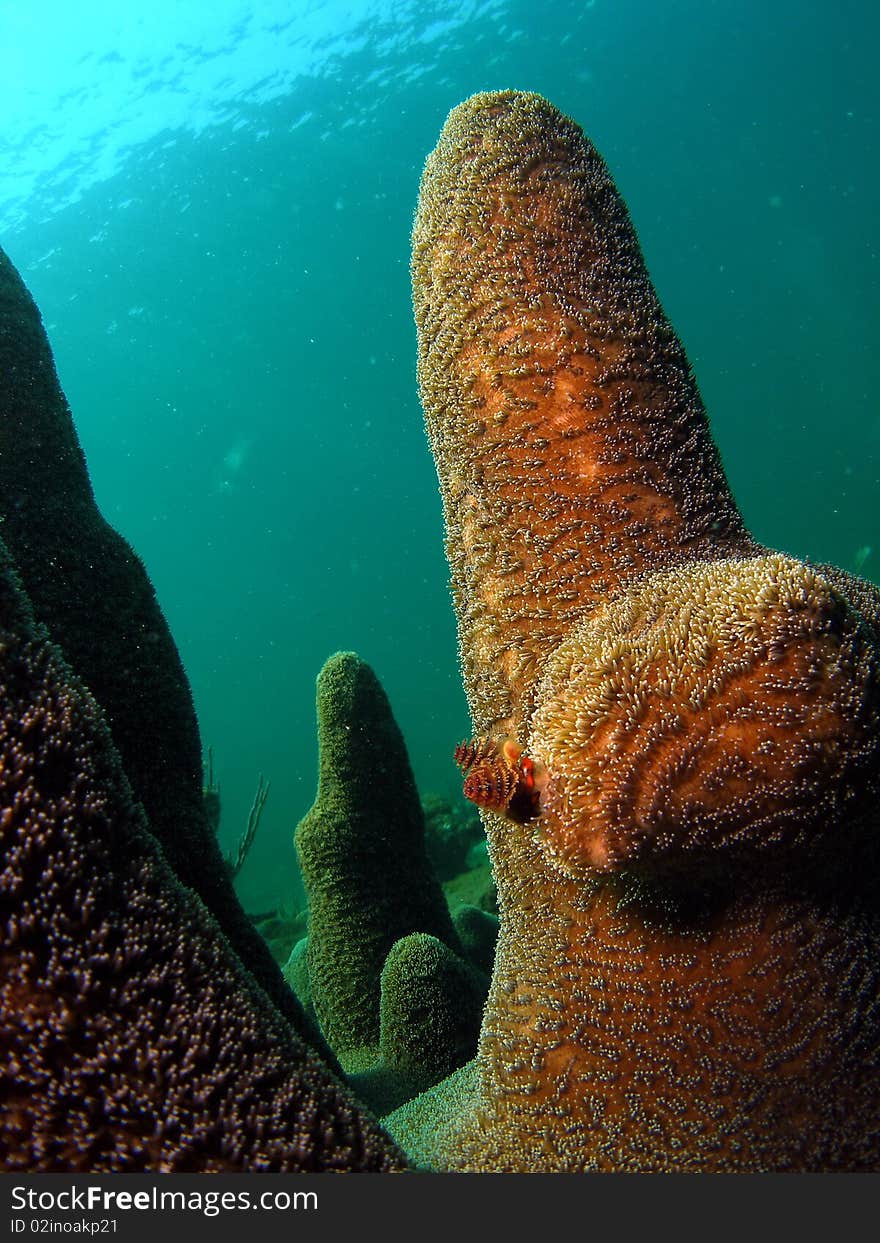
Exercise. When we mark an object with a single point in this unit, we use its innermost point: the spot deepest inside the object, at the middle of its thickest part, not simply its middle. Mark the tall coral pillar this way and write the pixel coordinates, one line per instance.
(92, 592)
(361, 849)
(570, 437)
(687, 974)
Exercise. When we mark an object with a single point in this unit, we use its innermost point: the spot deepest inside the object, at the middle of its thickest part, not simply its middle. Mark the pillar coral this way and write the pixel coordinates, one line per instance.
(131, 1036)
(361, 849)
(430, 1005)
(687, 973)
(90, 589)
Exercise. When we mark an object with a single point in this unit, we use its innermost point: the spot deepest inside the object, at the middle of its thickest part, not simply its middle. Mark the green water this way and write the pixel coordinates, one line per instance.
(211, 205)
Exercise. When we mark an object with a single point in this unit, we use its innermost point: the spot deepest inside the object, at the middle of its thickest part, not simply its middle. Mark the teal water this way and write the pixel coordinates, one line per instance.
(211, 205)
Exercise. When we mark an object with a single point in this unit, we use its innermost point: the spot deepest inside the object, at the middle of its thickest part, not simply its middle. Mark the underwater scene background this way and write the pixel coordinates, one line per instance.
(212, 205)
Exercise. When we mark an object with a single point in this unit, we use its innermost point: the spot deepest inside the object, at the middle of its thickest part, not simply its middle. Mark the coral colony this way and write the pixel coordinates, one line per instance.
(676, 759)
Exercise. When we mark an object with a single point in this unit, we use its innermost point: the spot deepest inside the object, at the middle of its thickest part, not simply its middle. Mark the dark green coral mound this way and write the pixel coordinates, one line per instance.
(362, 853)
(93, 595)
(296, 973)
(131, 1037)
(430, 1009)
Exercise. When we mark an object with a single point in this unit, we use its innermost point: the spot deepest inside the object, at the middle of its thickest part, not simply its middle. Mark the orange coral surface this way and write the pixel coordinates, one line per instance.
(688, 972)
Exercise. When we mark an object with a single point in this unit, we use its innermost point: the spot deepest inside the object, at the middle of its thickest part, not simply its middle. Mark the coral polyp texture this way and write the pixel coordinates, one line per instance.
(392, 993)
(131, 1036)
(688, 963)
(727, 704)
(361, 850)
